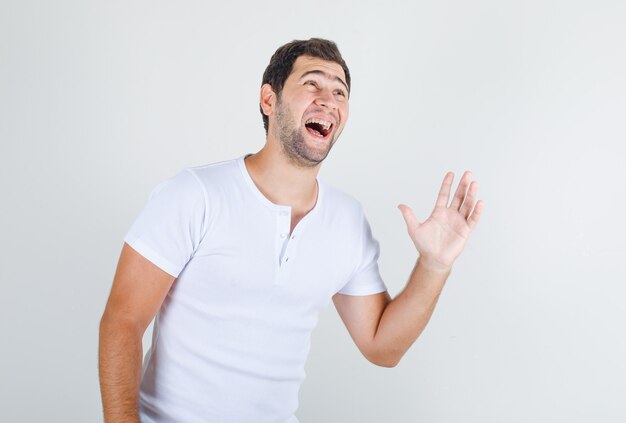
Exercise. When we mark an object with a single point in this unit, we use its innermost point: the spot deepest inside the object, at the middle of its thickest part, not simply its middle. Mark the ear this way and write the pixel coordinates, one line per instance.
(268, 99)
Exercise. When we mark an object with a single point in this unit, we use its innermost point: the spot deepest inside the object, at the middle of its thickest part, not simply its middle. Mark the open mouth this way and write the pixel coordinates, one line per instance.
(318, 127)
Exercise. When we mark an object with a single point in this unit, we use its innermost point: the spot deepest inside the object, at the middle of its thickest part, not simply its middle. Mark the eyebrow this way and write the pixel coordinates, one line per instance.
(325, 74)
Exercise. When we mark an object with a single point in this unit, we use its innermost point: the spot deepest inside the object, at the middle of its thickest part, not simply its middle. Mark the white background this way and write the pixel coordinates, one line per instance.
(100, 101)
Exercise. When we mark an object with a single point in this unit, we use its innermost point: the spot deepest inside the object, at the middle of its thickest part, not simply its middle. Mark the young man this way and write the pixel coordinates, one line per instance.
(239, 257)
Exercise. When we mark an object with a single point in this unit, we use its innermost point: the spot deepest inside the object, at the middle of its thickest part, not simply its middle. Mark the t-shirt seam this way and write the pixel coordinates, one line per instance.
(205, 221)
(361, 246)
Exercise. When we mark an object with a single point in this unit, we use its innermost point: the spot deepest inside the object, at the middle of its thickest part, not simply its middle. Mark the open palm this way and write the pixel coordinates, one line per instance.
(440, 239)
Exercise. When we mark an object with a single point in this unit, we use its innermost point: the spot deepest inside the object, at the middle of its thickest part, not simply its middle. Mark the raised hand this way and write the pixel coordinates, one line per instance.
(440, 239)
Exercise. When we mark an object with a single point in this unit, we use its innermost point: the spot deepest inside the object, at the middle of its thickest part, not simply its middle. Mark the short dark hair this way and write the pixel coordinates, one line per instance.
(281, 63)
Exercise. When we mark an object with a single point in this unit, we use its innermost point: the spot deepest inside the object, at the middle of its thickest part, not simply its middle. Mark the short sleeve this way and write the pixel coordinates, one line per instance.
(365, 279)
(170, 227)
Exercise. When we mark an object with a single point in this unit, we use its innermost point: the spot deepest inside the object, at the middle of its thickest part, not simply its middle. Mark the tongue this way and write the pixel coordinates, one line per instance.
(314, 132)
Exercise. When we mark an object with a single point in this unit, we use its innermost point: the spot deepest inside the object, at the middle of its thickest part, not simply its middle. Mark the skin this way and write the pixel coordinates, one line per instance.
(139, 288)
(293, 140)
(285, 171)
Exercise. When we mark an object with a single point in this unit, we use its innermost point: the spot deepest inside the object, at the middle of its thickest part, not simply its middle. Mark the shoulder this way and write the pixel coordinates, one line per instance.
(200, 181)
(192, 185)
(214, 173)
(340, 203)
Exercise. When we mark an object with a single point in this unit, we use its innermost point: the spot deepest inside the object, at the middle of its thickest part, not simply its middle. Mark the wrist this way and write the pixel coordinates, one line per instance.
(432, 265)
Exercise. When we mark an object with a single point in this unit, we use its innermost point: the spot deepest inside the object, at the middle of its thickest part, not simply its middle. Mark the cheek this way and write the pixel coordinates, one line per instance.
(345, 112)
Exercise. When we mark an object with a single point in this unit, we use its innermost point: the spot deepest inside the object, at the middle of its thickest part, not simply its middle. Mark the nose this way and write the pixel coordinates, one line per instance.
(326, 99)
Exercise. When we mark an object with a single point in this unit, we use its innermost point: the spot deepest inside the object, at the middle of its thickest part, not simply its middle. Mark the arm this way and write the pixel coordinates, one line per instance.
(383, 328)
(139, 288)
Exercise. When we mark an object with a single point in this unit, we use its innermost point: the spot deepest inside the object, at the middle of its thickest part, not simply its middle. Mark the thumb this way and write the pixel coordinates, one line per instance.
(409, 217)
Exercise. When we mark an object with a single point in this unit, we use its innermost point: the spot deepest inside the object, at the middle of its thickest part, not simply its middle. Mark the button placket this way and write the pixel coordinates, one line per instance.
(283, 227)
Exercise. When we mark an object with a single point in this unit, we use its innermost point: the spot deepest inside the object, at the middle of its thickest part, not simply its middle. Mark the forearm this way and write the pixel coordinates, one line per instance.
(120, 357)
(406, 316)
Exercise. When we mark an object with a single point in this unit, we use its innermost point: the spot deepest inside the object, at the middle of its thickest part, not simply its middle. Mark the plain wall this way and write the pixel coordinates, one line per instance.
(100, 101)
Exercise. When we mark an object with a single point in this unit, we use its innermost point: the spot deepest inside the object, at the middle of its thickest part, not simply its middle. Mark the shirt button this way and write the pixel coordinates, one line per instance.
(284, 213)
(283, 236)
(287, 259)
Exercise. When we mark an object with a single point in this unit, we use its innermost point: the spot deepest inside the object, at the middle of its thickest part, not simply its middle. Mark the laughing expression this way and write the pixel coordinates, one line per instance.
(311, 110)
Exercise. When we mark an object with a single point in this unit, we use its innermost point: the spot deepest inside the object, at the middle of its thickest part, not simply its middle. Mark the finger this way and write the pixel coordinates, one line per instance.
(444, 192)
(470, 200)
(409, 217)
(461, 190)
(472, 221)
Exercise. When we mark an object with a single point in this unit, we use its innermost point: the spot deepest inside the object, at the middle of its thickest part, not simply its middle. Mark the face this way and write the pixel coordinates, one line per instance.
(311, 111)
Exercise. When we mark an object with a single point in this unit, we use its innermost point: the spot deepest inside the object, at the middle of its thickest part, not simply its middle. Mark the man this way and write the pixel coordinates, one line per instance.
(239, 257)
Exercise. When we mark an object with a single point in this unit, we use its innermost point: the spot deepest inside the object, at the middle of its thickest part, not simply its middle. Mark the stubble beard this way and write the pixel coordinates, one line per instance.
(293, 143)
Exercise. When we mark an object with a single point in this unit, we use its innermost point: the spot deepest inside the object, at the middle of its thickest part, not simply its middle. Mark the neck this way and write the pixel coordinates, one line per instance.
(281, 181)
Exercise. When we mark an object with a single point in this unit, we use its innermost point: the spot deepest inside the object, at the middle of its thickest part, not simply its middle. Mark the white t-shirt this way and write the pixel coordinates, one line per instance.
(232, 336)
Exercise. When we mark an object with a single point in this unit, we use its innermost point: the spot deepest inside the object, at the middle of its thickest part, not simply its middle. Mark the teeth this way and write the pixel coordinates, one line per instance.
(324, 123)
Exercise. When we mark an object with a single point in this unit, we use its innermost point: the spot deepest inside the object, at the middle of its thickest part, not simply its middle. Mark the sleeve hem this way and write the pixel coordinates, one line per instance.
(363, 291)
(154, 257)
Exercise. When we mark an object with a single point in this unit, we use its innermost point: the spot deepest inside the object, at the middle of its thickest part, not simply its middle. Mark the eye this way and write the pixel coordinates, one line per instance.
(340, 93)
(311, 83)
